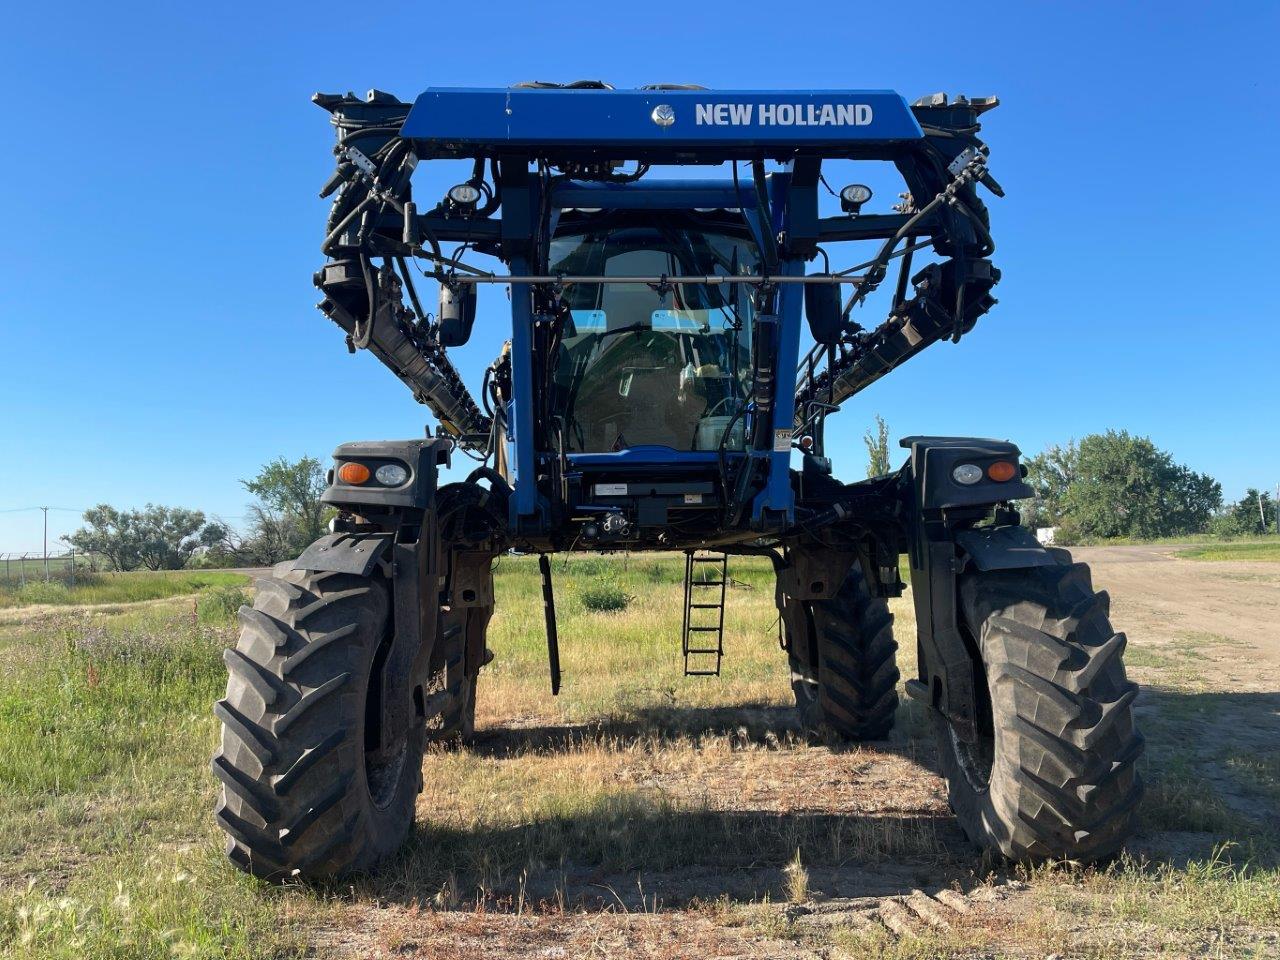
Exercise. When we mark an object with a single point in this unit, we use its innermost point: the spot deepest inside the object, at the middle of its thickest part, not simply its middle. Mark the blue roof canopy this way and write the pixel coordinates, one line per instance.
(658, 122)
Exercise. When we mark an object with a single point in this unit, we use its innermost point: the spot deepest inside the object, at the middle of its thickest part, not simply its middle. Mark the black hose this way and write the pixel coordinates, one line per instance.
(327, 247)
(360, 338)
(766, 219)
(413, 293)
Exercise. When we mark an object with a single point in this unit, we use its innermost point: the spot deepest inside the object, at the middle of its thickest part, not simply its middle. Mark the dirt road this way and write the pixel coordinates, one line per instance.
(1155, 595)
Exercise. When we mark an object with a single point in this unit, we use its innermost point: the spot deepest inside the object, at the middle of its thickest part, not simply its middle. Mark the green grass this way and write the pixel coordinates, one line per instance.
(108, 848)
(132, 587)
(1264, 550)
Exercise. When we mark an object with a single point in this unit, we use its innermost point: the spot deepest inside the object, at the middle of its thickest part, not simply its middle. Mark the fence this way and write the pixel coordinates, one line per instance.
(18, 569)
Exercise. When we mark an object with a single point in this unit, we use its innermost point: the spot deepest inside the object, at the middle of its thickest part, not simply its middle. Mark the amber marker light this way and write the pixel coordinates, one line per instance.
(354, 473)
(1002, 470)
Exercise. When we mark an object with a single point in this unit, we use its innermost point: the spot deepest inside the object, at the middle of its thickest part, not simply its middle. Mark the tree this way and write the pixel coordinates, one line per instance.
(877, 449)
(1253, 513)
(1125, 486)
(168, 536)
(108, 533)
(155, 537)
(1049, 474)
(290, 514)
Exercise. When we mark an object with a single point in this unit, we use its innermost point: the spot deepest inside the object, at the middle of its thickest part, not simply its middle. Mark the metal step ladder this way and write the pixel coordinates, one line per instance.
(706, 577)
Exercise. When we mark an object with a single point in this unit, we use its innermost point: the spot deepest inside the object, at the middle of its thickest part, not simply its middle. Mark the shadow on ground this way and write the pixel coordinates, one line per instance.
(633, 850)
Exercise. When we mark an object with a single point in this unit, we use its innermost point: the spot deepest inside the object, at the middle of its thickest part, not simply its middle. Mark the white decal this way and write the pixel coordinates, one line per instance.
(783, 114)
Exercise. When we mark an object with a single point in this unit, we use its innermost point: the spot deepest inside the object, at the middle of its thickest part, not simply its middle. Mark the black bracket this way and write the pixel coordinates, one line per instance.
(549, 614)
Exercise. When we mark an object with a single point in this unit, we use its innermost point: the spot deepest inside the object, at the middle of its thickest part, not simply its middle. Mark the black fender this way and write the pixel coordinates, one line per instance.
(407, 565)
(357, 553)
(1003, 548)
(391, 531)
(943, 539)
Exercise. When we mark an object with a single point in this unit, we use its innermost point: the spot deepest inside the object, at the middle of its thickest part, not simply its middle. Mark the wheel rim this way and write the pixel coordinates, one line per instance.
(381, 772)
(383, 776)
(975, 760)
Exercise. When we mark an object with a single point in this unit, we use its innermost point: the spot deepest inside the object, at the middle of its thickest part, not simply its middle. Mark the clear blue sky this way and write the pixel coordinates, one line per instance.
(161, 227)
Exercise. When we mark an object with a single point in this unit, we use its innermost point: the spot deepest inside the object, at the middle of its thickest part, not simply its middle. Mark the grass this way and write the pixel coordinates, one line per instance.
(652, 813)
(105, 849)
(131, 587)
(1259, 550)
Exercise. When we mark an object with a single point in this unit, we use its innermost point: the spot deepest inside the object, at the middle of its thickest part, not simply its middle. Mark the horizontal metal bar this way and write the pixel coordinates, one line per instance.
(656, 195)
(709, 280)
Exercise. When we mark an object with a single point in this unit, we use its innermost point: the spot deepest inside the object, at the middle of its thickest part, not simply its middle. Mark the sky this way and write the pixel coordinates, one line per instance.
(160, 340)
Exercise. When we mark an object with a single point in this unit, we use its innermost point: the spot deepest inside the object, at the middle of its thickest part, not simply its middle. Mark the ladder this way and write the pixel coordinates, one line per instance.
(702, 637)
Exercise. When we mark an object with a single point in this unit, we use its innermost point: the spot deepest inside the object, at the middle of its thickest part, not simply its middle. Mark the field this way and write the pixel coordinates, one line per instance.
(113, 588)
(639, 814)
(1262, 549)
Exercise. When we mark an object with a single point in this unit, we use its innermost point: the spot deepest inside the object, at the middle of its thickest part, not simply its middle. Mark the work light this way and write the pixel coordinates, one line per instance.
(465, 194)
(853, 197)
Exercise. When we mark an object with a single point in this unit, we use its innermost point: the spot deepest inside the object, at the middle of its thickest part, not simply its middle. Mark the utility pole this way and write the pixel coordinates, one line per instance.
(1262, 513)
(46, 540)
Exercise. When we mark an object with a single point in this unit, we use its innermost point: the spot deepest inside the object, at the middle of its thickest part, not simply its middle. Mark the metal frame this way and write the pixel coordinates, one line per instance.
(538, 153)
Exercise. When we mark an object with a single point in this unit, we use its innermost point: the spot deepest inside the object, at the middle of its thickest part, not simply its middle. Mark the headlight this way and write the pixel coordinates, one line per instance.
(967, 473)
(465, 194)
(392, 475)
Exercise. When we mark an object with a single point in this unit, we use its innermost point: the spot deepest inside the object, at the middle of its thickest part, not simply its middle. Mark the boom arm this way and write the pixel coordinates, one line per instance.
(366, 301)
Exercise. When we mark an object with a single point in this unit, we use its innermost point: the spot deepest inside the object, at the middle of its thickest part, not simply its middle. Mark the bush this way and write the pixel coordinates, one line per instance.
(605, 595)
(220, 604)
(45, 591)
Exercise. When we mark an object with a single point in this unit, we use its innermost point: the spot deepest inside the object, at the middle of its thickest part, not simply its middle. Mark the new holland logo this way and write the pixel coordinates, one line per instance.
(782, 114)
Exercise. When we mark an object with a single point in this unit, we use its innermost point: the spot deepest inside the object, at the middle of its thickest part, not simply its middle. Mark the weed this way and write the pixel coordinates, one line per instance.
(221, 604)
(797, 879)
(604, 595)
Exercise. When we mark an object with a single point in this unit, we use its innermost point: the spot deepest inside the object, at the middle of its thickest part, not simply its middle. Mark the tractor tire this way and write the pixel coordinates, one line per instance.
(303, 793)
(1052, 775)
(855, 693)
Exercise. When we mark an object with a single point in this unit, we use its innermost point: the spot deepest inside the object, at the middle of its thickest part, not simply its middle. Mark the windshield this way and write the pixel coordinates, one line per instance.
(639, 366)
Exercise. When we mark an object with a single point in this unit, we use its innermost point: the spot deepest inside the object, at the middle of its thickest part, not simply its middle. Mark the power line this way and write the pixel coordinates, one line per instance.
(27, 509)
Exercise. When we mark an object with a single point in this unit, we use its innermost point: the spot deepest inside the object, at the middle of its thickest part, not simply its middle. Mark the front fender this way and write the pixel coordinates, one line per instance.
(1003, 548)
(356, 553)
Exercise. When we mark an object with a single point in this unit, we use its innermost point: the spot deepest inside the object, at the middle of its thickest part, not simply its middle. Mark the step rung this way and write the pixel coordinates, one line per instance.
(706, 583)
(704, 629)
(706, 606)
(708, 559)
(706, 651)
(702, 673)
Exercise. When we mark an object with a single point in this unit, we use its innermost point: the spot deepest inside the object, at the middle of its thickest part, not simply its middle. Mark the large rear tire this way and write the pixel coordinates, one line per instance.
(1052, 774)
(305, 791)
(855, 692)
